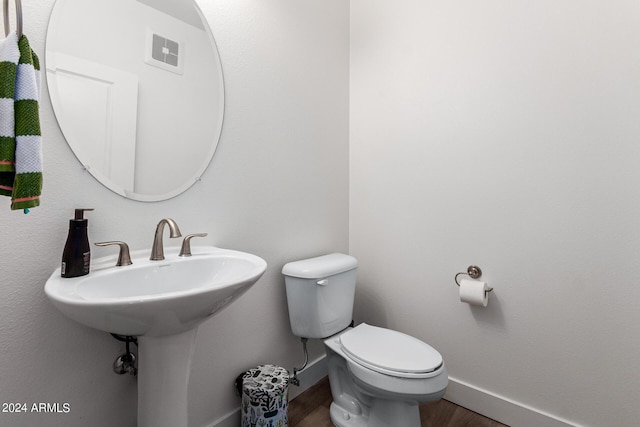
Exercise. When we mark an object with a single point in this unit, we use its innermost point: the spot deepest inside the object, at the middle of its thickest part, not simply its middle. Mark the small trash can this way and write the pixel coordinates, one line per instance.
(265, 397)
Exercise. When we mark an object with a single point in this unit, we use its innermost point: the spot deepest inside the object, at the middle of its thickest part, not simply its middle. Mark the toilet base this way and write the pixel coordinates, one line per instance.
(383, 413)
(342, 418)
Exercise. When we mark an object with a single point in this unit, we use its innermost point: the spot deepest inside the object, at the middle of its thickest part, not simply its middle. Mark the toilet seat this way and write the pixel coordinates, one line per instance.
(390, 352)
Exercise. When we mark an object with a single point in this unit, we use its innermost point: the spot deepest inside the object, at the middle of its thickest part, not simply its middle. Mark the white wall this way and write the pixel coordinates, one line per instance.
(504, 134)
(276, 188)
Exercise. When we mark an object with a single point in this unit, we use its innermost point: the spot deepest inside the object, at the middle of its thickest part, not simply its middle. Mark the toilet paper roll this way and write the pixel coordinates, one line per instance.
(474, 292)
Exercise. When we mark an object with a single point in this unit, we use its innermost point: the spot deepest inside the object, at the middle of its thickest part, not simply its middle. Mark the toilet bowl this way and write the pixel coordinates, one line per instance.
(378, 377)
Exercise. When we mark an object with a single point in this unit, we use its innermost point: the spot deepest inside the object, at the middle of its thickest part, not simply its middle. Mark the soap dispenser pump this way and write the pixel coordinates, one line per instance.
(76, 257)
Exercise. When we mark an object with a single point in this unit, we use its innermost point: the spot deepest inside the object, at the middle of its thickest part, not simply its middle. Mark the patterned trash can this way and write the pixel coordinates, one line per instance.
(265, 397)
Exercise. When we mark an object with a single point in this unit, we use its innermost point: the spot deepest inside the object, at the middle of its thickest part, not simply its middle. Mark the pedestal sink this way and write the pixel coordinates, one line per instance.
(162, 303)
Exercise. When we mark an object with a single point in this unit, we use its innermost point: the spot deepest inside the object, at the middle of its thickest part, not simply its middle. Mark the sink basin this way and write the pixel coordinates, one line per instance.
(155, 298)
(162, 303)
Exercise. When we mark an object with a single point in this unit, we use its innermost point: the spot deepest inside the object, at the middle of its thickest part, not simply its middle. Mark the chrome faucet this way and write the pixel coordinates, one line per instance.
(157, 250)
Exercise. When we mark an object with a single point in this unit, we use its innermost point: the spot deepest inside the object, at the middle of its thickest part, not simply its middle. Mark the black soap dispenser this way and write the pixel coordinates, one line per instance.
(77, 253)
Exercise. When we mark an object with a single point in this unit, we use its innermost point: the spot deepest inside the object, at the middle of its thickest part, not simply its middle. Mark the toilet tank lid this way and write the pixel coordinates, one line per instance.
(319, 267)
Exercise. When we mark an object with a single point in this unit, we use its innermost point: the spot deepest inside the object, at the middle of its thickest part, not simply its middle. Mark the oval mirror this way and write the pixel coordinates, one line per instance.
(137, 89)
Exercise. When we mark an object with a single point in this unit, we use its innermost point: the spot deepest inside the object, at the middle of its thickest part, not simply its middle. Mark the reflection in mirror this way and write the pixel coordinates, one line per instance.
(137, 89)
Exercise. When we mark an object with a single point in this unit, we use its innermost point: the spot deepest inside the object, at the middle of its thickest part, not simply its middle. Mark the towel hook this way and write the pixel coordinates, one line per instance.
(7, 27)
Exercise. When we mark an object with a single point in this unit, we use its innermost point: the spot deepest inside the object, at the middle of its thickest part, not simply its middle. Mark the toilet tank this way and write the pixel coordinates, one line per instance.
(320, 294)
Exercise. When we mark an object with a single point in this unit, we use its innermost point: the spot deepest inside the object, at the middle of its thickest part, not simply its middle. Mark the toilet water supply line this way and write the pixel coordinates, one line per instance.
(293, 379)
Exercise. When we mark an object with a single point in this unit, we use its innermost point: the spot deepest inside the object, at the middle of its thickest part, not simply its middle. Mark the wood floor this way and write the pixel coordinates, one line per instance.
(311, 409)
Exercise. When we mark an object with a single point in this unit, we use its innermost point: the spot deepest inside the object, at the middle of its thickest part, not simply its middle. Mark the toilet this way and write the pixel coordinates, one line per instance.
(378, 376)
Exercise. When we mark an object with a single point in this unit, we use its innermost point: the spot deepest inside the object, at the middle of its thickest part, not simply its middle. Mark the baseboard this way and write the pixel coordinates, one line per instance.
(500, 408)
(314, 372)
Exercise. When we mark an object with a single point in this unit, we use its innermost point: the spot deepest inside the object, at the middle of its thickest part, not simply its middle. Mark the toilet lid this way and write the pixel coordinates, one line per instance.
(389, 352)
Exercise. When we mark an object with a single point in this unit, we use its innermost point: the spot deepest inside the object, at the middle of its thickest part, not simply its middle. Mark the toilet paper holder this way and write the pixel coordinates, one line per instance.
(474, 272)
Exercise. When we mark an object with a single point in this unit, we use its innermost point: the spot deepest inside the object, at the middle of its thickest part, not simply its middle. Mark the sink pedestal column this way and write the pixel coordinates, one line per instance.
(164, 365)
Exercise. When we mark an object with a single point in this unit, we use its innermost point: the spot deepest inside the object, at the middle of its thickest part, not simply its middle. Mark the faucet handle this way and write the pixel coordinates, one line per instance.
(185, 250)
(124, 257)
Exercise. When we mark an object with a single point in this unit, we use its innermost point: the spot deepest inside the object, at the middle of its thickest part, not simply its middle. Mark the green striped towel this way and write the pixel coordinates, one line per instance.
(20, 137)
